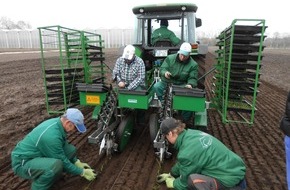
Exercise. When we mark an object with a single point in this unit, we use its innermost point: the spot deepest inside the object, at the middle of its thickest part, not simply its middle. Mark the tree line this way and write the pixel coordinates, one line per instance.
(8, 24)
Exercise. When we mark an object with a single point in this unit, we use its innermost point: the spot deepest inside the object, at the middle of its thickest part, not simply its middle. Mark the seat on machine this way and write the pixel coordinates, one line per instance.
(163, 43)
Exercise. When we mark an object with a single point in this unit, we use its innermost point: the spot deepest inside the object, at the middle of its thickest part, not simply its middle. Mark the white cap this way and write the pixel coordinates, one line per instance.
(185, 49)
(129, 52)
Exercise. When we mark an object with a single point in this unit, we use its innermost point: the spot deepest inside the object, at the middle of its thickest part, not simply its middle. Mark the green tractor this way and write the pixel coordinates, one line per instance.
(183, 22)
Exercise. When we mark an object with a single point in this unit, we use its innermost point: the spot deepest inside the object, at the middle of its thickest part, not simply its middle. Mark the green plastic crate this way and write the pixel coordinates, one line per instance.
(135, 101)
(187, 103)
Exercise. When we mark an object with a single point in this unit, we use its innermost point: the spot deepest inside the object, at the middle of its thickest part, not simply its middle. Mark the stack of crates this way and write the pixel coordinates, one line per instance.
(69, 57)
(237, 74)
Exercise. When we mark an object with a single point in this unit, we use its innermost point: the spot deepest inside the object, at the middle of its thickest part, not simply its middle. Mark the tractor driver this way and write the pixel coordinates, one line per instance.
(203, 162)
(178, 69)
(45, 153)
(129, 70)
(163, 33)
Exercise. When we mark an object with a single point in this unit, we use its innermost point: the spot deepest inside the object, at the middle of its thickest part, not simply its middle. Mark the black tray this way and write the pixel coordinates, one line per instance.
(244, 48)
(83, 87)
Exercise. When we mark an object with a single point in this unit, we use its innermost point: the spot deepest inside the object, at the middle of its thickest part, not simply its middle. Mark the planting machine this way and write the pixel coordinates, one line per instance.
(79, 76)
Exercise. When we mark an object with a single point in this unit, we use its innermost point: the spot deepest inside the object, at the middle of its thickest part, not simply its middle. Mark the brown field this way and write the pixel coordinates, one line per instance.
(261, 145)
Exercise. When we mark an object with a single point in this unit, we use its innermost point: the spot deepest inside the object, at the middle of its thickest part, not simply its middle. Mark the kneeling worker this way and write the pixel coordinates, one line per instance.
(203, 162)
(45, 153)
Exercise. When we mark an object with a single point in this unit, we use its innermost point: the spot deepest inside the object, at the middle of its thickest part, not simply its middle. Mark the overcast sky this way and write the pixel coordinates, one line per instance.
(94, 14)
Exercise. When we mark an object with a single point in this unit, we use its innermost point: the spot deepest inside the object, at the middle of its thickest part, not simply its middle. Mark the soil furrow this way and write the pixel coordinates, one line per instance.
(261, 145)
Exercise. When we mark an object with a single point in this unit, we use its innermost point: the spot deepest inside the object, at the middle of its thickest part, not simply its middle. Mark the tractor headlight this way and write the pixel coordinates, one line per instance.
(160, 53)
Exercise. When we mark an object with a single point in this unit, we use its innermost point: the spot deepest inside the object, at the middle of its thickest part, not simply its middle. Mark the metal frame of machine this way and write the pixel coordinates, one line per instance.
(80, 77)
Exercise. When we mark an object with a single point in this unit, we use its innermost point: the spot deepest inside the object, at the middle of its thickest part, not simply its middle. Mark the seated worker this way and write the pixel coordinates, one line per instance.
(203, 162)
(129, 70)
(178, 69)
(44, 154)
(163, 33)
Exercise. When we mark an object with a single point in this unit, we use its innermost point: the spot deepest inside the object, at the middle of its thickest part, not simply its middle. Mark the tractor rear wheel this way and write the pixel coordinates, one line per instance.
(124, 132)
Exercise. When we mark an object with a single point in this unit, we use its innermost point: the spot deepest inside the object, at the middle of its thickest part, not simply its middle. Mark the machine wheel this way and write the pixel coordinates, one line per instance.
(153, 126)
(124, 132)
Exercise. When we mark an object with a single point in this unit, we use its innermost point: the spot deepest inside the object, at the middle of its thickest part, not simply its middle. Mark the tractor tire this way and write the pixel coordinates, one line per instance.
(124, 131)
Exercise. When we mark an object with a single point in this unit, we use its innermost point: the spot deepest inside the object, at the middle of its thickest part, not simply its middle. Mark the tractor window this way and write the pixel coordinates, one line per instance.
(173, 25)
(190, 27)
(144, 28)
(138, 31)
(141, 32)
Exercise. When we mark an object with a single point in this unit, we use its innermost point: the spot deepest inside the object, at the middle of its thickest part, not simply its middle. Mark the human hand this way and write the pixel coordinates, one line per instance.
(81, 165)
(121, 84)
(169, 182)
(188, 86)
(162, 177)
(167, 75)
(89, 174)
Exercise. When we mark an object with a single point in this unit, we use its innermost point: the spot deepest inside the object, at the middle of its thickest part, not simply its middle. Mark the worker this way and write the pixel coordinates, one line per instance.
(163, 33)
(45, 153)
(129, 70)
(203, 162)
(178, 69)
(285, 127)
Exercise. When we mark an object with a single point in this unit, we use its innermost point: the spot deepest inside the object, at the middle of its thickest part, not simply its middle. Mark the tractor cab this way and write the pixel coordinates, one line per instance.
(181, 20)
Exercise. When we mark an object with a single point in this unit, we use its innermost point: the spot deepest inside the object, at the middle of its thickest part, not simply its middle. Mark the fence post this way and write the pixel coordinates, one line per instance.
(18, 39)
(6, 36)
(30, 39)
(123, 39)
(109, 39)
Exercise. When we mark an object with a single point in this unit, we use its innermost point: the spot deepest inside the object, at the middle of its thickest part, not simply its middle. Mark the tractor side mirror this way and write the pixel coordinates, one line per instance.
(198, 22)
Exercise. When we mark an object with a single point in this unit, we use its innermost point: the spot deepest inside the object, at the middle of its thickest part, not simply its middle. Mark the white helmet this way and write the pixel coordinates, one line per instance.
(185, 49)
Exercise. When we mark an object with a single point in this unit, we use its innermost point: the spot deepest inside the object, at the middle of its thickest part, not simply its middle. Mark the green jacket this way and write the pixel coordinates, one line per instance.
(46, 140)
(201, 153)
(163, 33)
(181, 72)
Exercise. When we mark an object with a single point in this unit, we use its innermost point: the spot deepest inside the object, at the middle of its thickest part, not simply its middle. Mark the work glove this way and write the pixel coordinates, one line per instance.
(169, 182)
(81, 165)
(167, 75)
(89, 174)
(188, 86)
(162, 177)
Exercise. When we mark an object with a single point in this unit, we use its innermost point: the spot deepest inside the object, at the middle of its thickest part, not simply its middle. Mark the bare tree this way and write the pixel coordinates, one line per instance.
(23, 25)
(7, 23)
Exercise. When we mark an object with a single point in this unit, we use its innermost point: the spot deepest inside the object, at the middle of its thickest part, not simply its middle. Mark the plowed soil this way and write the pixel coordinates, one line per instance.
(260, 145)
